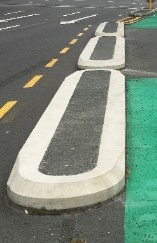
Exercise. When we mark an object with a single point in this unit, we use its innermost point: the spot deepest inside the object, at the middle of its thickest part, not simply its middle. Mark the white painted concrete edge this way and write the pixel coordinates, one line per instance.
(30, 188)
(101, 32)
(117, 62)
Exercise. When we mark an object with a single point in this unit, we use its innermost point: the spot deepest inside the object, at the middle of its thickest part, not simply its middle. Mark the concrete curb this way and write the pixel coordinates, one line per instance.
(30, 188)
(117, 62)
(100, 31)
(138, 14)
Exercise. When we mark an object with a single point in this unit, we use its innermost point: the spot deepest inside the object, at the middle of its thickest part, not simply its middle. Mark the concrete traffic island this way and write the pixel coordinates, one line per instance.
(75, 156)
(110, 29)
(103, 52)
(143, 12)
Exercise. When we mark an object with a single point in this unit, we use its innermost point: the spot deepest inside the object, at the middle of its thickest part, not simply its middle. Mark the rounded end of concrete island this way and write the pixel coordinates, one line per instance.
(30, 188)
(112, 56)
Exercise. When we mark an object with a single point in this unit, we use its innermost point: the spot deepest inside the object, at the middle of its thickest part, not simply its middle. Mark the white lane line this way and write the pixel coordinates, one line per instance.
(123, 6)
(65, 15)
(3, 21)
(77, 20)
(14, 12)
(111, 7)
(20, 17)
(9, 27)
(90, 7)
(64, 6)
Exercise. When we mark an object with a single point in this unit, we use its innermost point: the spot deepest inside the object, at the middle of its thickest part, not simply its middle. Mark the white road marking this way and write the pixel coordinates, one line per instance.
(65, 15)
(14, 12)
(10, 27)
(77, 20)
(20, 17)
(90, 7)
(111, 7)
(64, 6)
(3, 21)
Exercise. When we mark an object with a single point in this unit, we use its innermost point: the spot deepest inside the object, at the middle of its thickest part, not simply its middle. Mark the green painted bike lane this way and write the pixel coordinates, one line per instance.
(140, 221)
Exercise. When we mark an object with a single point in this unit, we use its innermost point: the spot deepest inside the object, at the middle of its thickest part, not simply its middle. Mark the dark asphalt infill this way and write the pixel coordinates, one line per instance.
(107, 44)
(110, 27)
(75, 146)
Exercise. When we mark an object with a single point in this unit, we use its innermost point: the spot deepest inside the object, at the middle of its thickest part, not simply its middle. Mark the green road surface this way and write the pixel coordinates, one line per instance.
(141, 186)
(149, 22)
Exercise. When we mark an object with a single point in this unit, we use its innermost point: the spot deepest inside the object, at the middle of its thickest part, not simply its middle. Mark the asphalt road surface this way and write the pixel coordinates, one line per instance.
(32, 33)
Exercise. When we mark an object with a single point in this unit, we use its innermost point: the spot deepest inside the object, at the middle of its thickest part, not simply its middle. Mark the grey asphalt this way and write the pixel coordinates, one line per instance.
(24, 52)
(140, 55)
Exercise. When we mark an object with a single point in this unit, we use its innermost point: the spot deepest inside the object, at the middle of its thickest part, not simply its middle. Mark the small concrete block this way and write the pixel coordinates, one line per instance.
(110, 29)
(103, 52)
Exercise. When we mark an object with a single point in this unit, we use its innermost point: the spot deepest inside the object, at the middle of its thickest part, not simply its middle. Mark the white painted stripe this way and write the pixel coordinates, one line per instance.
(65, 15)
(3, 21)
(20, 17)
(30, 188)
(14, 12)
(91, 7)
(10, 27)
(111, 7)
(77, 20)
(64, 6)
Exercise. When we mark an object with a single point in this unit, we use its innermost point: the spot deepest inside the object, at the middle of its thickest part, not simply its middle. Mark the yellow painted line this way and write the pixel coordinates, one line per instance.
(33, 81)
(64, 50)
(80, 34)
(73, 41)
(50, 64)
(6, 108)
(86, 29)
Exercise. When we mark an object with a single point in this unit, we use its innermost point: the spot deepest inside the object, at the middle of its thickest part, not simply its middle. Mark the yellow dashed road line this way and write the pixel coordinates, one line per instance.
(80, 34)
(6, 108)
(73, 41)
(51, 63)
(64, 50)
(33, 81)
(85, 29)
